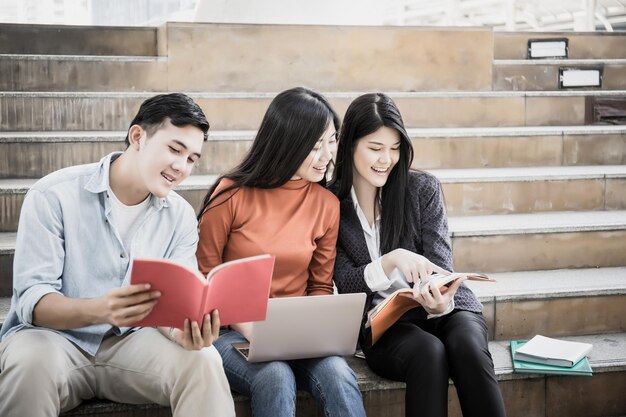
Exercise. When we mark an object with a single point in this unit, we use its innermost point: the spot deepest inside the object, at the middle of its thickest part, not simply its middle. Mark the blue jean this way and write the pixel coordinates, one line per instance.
(272, 386)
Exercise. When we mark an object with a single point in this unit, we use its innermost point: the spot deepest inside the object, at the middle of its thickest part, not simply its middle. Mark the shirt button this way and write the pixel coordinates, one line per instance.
(122, 255)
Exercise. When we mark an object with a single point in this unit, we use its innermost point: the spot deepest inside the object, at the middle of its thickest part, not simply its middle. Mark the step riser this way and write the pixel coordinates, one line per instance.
(545, 397)
(514, 197)
(276, 57)
(507, 252)
(517, 319)
(540, 77)
(114, 113)
(475, 198)
(523, 319)
(599, 45)
(81, 75)
(532, 397)
(519, 151)
(6, 274)
(531, 252)
(67, 75)
(529, 397)
(34, 160)
(68, 40)
(462, 199)
(594, 149)
(601, 395)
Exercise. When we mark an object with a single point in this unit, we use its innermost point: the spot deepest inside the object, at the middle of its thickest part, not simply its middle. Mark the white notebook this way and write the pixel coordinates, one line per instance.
(548, 351)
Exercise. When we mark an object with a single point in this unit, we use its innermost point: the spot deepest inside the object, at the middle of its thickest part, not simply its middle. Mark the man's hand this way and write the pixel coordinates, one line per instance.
(125, 306)
(194, 338)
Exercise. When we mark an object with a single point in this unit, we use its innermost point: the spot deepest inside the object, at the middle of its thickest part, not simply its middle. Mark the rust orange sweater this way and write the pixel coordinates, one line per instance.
(298, 223)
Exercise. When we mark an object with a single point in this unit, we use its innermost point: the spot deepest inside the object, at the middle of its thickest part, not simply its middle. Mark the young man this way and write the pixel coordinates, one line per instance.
(67, 336)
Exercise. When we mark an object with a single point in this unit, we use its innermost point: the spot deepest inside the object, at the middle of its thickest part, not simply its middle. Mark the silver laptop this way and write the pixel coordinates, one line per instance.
(306, 327)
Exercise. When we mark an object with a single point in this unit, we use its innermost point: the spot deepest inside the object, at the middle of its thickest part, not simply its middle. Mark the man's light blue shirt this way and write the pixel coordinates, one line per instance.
(66, 244)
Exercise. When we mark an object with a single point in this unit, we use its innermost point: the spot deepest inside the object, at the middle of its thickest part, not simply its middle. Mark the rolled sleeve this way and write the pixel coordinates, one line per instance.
(375, 276)
(29, 300)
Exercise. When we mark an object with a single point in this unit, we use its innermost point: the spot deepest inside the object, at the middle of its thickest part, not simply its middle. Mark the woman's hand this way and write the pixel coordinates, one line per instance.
(431, 298)
(416, 268)
(192, 337)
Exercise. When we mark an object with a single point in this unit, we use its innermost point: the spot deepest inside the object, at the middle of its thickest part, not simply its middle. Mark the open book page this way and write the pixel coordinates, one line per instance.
(388, 311)
(442, 280)
(182, 291)
(240, 289)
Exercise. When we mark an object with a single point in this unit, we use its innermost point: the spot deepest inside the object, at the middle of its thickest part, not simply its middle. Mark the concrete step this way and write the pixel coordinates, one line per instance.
(540, 74)
(582, 45)
(467, 191)
(554, 240)
(77, 40)
(524, 394)
(82, 73)
(517, 146)
(558, 302)
(532, 190)
(521, 304)
(499, 243)
(35, 154)
(562, 302)
(55, 111)
(276, 57)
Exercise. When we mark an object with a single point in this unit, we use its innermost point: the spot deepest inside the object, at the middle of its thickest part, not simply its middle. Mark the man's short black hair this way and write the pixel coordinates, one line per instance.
(178, 108)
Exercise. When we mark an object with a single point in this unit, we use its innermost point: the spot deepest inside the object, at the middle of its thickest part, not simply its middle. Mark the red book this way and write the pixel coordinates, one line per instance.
(238, 289)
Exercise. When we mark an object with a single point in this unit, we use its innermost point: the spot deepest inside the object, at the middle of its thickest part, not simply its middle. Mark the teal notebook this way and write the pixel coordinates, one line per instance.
(582, 367)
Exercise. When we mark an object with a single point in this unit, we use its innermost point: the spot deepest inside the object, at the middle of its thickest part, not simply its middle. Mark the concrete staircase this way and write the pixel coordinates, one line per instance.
(535, 195)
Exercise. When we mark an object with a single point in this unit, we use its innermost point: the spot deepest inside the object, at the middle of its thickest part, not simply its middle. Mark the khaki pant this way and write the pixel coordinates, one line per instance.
(43, 374)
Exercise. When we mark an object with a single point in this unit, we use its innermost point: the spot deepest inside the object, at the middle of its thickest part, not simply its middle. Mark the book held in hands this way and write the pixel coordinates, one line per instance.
(387, 312)
(238, 289)
(549, 351)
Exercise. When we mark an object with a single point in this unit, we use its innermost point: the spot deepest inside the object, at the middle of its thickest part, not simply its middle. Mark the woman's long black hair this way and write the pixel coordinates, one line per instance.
(365, 115)
(294, 121)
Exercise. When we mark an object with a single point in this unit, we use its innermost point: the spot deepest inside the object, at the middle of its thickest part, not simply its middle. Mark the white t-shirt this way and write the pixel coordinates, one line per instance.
(126, 219)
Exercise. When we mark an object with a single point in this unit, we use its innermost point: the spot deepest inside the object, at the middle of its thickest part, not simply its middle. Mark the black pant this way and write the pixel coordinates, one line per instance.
(424, 353)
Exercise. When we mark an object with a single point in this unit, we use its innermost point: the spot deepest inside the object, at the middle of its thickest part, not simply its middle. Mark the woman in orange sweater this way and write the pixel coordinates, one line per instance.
(275, 202)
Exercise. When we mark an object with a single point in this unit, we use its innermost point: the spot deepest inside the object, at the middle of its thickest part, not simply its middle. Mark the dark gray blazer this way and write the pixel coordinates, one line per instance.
(430, 239)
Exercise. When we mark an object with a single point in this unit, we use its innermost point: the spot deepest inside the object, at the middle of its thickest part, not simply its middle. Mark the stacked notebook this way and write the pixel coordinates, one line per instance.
(544, 355)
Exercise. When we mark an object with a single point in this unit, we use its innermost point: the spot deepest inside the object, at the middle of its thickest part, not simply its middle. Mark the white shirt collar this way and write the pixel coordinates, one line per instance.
(372, 229)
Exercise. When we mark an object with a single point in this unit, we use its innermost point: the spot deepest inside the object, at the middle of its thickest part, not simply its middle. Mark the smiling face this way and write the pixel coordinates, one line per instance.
(314, 167)
(375, 155)
(167, 157)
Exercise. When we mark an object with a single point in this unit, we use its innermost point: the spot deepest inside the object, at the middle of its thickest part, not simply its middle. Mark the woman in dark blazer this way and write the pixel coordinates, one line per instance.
(393, 233)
